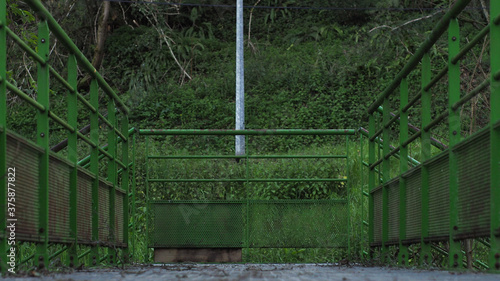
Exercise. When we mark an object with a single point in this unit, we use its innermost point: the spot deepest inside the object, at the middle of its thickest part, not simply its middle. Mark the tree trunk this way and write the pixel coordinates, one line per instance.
(102, 32)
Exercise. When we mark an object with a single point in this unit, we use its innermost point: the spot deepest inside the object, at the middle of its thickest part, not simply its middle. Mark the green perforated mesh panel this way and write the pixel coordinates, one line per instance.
(413, 204)
(474, 186)
(393, 190)
(248, 223)
(439, 197)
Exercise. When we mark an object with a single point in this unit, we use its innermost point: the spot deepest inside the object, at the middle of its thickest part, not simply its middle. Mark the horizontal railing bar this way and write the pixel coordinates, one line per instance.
(471, 44)
(377, 133)
(436, 33)
(242, 156)
(248, 132)
(247, 180)
(472, 94)
(121, 171)
(120, 163)
(72, 48)
(86, 160)
(414, 129)
(61, 79)
(436, 79)
(25, 46)
(412, 102)
(392, 152)
(436, 121)
(393, 119)
(58, 252)
(84, 254)
(118, 132)
(111, 126)
(107, 154)
(412, 138)
(250, 201)
(86, 103)
(25, 97)
(366, 194)
(379, 141)
(87, 140)
(366, 223)
(372, 166)
(61, 122)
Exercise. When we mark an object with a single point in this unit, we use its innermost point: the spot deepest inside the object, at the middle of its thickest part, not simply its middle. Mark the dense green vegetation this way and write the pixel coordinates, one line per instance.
(304, 68)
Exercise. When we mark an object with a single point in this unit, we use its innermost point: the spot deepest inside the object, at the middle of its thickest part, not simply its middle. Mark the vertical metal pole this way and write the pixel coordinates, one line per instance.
(455, 253)
(240, 80)
(113, 179)
(134, 221)
(94, 168)
(494, 257)
(125, 186)
(347, 186)
(3, 136)
(73, 158)
(362, 180)
(42, 253)
(403, 167)
(425, 254)
(371, 181)
(148, 217)
(386, 167)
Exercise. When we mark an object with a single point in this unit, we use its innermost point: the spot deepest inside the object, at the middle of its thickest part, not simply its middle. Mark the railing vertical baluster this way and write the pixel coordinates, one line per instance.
(371, 181)
(125, 185)
(94, 168)
(403, 167)
(494, 256)
(425, 143)
(347, 187)
(42, 255)
(386, 167)
(73, 158)
(113, 179)
(455, 253)
(3, 135)
(134, 222)
(362, 184)
(148, 215)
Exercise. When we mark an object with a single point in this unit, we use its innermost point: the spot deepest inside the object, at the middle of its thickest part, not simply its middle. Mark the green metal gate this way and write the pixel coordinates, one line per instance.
(248, 222)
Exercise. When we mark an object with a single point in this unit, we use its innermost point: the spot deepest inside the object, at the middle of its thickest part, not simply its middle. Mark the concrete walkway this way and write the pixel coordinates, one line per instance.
(260, 272)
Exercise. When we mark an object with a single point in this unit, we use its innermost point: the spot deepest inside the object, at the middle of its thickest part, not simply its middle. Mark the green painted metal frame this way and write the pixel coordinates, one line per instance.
(247, 179)
(494, 257)
(48, 25)
(377, 164)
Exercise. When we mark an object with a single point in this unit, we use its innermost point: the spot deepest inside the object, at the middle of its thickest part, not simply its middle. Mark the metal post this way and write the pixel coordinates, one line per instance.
(347, 186)
(94, 168)
(113, 179)
(73, 158)
(403, 167)
(240, 81)
(371, 182)
(386, 167)
(494, 257)
(455, 257)
(42, 254)
(125, 186)
(148, 219)
(425, 253)
(134, 222)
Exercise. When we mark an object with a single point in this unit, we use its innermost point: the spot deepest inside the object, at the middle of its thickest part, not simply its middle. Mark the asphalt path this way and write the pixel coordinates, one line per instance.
(186, 271)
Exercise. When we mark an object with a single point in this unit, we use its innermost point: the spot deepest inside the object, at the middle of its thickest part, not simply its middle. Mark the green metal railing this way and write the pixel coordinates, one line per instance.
(454, 195)
(247, 221)
(49, 197)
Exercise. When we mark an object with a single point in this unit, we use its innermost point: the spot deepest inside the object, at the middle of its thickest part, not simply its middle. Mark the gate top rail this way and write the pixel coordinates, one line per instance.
(249, 132)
